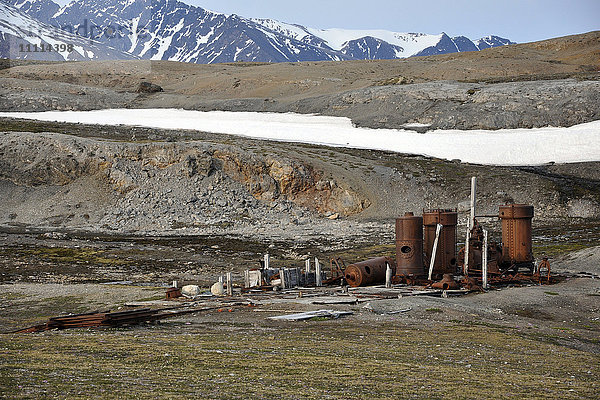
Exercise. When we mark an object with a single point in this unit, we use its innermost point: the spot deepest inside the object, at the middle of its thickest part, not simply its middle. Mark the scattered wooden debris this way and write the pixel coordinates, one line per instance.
(312, 314)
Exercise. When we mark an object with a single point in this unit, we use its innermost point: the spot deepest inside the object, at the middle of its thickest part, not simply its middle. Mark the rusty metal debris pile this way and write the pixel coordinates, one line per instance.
(426, 263)
(98, 319)
(427, 255)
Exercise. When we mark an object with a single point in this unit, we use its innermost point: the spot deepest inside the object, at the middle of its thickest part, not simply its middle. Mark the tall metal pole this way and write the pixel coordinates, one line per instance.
(466, 266)
(318, 281)
(473, 201)
(229, 284)
(484, 260)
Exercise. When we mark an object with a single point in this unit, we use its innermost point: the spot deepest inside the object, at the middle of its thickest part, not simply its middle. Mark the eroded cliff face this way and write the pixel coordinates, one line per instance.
(268, 179)
(199, 178)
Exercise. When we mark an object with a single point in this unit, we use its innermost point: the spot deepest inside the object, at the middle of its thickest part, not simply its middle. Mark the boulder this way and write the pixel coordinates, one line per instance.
(217, 289)
(190, 290)
(149, 87)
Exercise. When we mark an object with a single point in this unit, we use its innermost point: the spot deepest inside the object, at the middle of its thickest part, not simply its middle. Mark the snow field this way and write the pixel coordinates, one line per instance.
(580, 143)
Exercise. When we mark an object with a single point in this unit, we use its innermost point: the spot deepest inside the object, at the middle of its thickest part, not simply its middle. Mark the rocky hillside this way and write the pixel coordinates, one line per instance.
(551, 82)
(126, 180)
(149, 181)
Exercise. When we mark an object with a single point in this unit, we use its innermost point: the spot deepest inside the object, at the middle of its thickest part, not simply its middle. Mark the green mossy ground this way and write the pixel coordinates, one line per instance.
(339, 359)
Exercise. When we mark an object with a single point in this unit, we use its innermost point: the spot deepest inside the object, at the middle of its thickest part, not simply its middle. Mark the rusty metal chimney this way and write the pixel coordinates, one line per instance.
(516, 233)
(445, 259)
(409, 245)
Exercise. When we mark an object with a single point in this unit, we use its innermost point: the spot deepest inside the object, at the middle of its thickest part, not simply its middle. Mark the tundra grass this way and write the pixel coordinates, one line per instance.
(338, 359)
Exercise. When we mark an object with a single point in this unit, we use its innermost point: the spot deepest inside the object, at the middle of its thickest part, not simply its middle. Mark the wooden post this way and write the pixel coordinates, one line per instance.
(318, 281)
(282, 277)
(267, 261)
(229, 285)
(307, 265)
(434, 251)
(466, 266)
(473, 201)
(246, 279)
(484, 262)
(221, 280)
(388, 276)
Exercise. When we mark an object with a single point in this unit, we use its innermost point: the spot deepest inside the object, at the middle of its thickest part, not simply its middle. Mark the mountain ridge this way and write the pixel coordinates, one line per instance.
(176, 31)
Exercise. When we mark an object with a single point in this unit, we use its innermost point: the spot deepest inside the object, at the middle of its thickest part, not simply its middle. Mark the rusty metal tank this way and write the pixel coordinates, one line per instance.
(409, 245)
(368, 272)
(516, 233)
(445, 259)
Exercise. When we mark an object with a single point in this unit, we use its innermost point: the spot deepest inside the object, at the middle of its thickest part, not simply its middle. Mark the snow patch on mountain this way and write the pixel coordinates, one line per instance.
(23, 37)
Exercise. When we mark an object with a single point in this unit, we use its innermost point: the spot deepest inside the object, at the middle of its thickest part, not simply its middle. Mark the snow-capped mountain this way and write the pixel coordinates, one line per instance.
(24, 37)
(173, 30)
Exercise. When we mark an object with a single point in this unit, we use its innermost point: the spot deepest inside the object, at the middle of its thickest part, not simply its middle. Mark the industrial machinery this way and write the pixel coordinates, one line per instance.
(516, 236)
(409, 245)
(513, 253)
(445, 256)
(369, 272)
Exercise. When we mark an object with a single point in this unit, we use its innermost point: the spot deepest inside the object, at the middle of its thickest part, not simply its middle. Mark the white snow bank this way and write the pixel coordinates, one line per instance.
(503, 147)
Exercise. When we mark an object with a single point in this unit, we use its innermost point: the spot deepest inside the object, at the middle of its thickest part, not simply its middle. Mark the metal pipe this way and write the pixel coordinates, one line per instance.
(434, 251)
(229, 285)
(318, 280)
(484, 260)
(466, 266)
(473, 201)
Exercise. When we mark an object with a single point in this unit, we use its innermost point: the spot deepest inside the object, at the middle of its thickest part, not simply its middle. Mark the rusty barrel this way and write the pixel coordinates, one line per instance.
(445, 259)
(409, 245)
(516, 233)
(368, 272)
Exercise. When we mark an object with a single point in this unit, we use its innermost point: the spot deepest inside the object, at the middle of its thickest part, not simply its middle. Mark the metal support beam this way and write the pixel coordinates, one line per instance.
(473, 201)
(318, 280)
(466, 266)
(484, 260)
(434, 251)
(229, 285)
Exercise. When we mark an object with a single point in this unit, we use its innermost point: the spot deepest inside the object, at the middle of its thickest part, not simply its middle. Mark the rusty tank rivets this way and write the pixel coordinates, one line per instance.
(516, 233)
(445, 259)
(409, 245)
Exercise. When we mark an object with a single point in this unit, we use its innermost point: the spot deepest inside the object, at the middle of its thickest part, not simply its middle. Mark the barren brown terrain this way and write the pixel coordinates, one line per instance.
(97, 217)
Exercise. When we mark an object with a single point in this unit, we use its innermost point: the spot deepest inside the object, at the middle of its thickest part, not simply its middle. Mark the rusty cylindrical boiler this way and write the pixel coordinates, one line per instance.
(369, 272)
(445, 259)
(409, 245)
(516, 233)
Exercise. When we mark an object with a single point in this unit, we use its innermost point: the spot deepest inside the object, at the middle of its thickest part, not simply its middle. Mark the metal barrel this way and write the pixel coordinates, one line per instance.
(445, 259)
(409, 245)
(368, 272)
(516, 233)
